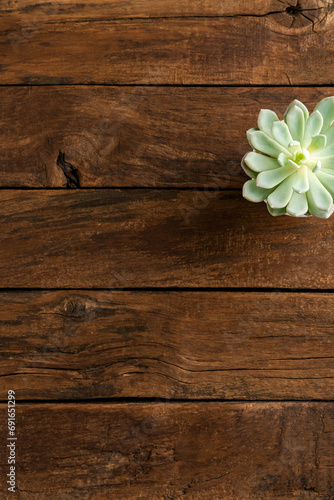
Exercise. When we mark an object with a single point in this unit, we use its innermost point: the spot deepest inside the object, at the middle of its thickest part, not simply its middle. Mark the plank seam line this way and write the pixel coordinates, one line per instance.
(162, 401)
(77, 187)
(172, 85)
(265, 290)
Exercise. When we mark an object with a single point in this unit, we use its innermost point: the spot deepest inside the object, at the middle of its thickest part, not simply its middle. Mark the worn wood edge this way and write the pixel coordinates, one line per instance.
(167, 345)
(260, 451)
(73, 136)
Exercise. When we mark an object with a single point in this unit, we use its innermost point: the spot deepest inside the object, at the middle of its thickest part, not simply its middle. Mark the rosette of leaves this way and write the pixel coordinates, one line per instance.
(292, 163)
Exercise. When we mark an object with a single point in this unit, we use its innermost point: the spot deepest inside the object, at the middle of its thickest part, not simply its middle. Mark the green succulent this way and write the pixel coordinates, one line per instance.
(292, 163)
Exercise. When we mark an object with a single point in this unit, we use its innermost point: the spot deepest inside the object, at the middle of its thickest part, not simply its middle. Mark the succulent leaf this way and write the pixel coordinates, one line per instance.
(327, 162)
(248, 170)
(298, 205)
(296, 123)
(254, 193)
(293, 164)
(318, 143)
(313, 127)
(262, 142)
(275, 211)
(301, 184)
(324, 152)
(300, 105)
(260, 163)
(327, 180)
(281, 133)
(272, 178)
(330, 134)
(322, 198)
(265, 120)
(322, 214)
(326, 108)
(282, 194)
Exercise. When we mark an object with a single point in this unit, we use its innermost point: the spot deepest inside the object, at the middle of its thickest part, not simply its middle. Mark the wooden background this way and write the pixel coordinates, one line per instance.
(166, 339)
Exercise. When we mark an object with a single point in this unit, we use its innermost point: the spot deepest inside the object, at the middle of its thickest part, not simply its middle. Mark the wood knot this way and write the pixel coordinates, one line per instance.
(294, 10)
(300, 14)
(78, 307)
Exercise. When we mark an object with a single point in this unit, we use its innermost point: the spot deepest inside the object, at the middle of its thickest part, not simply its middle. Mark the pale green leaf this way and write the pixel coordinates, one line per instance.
(258, 162)
(330, 135)
(276, 211)
(296, 123)
(248, 170)
(252, 192)
(249, 132)
(281, 133)
(326, 108)
(265, 120)
(293, 164)
(321, 214)
(297, 206)
(321, 197)
(301, 184)
(318, 143)
(261, 142)
(272, 178)
(329, 171)
(327, 162)
(300, 105)
(313, 127)
(327, 180)
(282, 194)
(324, 153)
(282, 159)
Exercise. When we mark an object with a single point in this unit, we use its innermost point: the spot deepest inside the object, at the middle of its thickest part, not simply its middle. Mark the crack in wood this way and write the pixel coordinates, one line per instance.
(70, 172)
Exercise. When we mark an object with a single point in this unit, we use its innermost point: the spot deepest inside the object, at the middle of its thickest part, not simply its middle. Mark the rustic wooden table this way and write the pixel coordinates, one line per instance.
(165, 338)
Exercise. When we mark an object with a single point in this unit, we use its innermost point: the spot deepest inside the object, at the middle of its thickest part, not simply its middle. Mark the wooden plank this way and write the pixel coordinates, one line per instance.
(28, 12)
(258, 451)
(139, 136)
(250, 346)
(281, 47)
(165, 238)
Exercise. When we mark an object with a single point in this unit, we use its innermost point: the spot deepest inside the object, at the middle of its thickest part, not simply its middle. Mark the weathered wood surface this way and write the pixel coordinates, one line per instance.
(139, 136)
(28, 12)
(79, 345)
(274, 47)
(163, 451)
(164, 238)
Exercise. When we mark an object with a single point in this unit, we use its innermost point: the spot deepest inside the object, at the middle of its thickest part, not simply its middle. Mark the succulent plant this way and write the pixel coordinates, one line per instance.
(292, 163)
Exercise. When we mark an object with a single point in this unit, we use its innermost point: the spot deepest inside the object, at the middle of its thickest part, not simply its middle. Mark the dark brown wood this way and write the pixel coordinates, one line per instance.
(280, 46)
(31, 11)
(165, 238)
(84, 345)
(163, 451)
(77, 345)
(133, 136)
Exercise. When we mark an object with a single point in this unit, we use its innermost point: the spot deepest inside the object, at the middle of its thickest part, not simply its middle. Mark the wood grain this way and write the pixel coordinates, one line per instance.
(249, 346)
(276, 47)
(60, 130)
(165, 238)
(141, 136)
(32, 11)
(163, 451)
